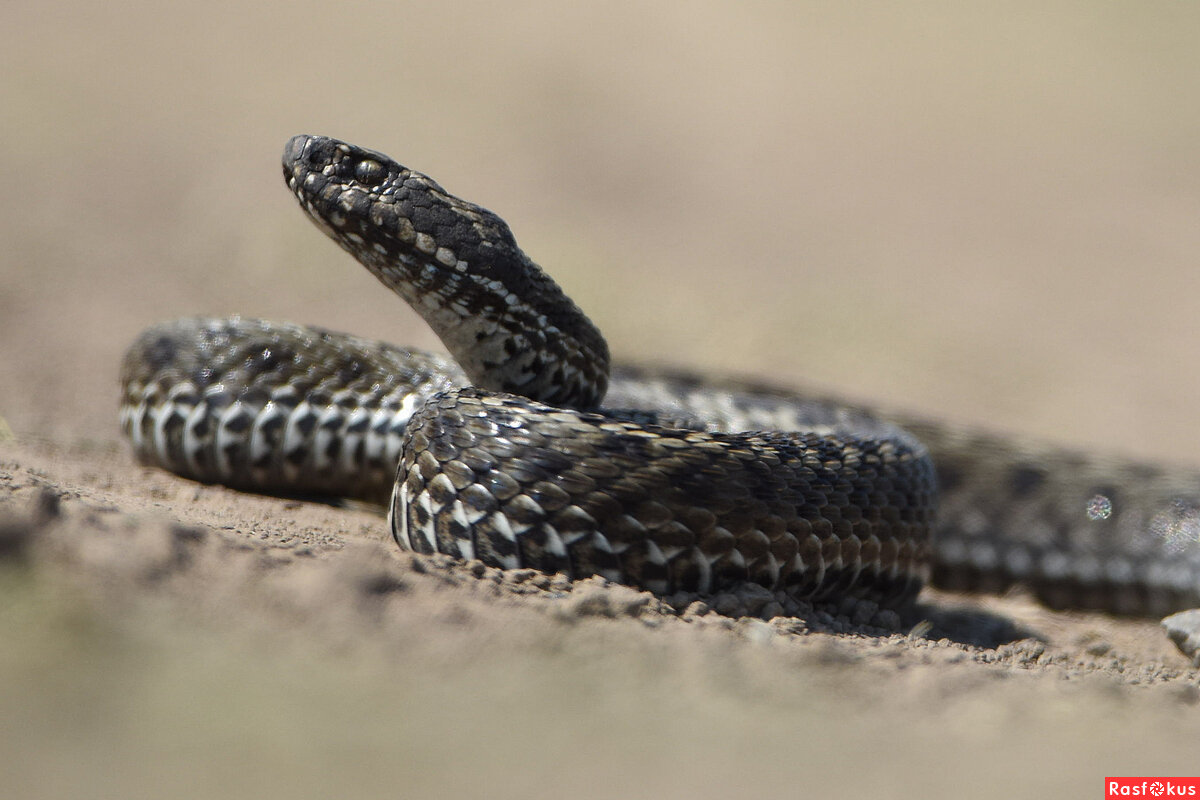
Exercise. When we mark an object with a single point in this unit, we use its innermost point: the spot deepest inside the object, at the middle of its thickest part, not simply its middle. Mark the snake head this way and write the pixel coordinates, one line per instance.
(506, 322)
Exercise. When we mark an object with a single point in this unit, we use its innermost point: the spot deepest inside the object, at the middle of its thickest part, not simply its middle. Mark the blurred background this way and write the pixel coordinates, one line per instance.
(979, 213)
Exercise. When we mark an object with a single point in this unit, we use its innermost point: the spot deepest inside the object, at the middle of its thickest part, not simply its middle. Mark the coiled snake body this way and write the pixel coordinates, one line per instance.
(527, 449)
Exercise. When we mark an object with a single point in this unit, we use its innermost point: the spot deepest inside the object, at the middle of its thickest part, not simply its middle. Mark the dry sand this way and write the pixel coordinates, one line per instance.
(981, 215)
(168, 639)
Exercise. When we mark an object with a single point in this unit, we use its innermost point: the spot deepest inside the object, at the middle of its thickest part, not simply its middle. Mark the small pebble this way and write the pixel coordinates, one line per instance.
(756, 631)
(1184, 630)
(591, 602)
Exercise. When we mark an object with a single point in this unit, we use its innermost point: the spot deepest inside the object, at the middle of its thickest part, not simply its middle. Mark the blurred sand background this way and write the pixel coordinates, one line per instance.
(979, 213)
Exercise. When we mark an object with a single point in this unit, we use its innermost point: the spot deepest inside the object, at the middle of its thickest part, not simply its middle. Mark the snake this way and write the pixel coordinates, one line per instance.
(527, 446)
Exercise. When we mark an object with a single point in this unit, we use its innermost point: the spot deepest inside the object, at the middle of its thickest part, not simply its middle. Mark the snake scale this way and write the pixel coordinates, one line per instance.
(526, 448)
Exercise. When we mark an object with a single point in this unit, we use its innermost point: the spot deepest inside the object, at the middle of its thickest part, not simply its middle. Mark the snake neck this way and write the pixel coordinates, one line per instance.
(507, 323)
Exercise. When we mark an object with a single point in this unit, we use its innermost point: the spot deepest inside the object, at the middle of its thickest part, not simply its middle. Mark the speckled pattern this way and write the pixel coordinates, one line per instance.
(663, 493)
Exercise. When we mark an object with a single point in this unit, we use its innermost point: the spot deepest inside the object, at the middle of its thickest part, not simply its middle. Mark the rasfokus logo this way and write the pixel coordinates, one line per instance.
(1151, 787)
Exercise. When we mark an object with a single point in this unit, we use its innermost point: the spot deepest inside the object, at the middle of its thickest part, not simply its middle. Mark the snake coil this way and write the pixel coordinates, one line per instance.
(527, 449)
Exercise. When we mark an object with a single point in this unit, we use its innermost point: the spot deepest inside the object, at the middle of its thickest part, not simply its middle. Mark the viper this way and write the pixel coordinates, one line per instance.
(527, 447)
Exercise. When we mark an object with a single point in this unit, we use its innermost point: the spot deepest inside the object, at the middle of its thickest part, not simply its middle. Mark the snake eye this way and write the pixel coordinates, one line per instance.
(369, 172)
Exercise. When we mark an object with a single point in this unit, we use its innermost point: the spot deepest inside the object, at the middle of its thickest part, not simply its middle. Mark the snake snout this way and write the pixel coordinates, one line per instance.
(306, 155)
(294, 150)
(350, 164)
(309, 152)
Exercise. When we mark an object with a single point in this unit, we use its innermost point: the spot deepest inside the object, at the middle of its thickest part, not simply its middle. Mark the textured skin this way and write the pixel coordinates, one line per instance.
(667, 497)
(668, 509)
(273, 407)
(505, 322)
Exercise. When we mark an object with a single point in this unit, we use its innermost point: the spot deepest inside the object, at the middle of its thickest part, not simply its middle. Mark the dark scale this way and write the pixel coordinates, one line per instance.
(645, 496)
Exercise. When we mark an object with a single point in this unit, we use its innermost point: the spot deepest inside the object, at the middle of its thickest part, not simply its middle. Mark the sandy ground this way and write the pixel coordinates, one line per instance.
(985, 216)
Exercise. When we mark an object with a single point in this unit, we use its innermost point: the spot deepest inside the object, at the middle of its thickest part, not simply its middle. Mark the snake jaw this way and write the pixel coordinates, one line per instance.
(507, 323)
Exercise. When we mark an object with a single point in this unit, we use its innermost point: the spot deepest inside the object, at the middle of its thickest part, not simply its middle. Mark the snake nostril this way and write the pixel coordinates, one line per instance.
(306, 153)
